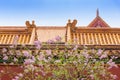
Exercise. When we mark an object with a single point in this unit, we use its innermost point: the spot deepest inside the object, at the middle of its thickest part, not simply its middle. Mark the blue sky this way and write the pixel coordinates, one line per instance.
(57, 12)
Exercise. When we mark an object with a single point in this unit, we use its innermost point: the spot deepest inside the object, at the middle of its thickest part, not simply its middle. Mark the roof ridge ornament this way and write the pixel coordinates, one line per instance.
(97, 12)
(30, 26)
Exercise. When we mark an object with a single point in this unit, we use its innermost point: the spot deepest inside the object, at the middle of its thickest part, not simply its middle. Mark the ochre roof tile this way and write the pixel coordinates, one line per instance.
(10, 38)
(93, 38)
(8, 35)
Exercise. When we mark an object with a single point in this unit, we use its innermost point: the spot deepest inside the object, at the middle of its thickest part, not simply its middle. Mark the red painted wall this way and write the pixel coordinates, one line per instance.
(12, 70)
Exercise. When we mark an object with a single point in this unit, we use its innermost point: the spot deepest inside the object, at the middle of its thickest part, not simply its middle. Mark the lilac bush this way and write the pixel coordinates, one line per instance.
(55, 64)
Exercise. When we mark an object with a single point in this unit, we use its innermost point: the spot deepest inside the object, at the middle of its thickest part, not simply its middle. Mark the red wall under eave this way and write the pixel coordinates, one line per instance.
(9, 70)
(15, 68)
(116, 71)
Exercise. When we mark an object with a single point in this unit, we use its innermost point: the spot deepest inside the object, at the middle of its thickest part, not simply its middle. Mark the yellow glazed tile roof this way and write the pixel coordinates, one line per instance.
(10, 35)
(97, 36)
(10, 38)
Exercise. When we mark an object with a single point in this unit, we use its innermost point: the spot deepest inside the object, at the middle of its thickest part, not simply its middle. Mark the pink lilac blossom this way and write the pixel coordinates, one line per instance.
(12, 46)
(36, 74)
(94, 60)
(86, 55)
(49, 58)
(33, 58)
(111, 64)
(114, 76)
(49, 52)
(103, 75)
(29, 61)
(75, 62)
(75, 48)
(99, 52)
(18, 53)
(50, 41)
(20, 75)
(103, 56)
(92, 76)
(31, 67)
(10, 52)
(15, 59)
(114, 57)
(43, 73)
(26, 54)
(16, 77)
(5, 58)
(4, 50)
(45, 60)
(2, 71)
(4, 54)
(37, 44)
(93, 50)
(58, 38)
(40, 57)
